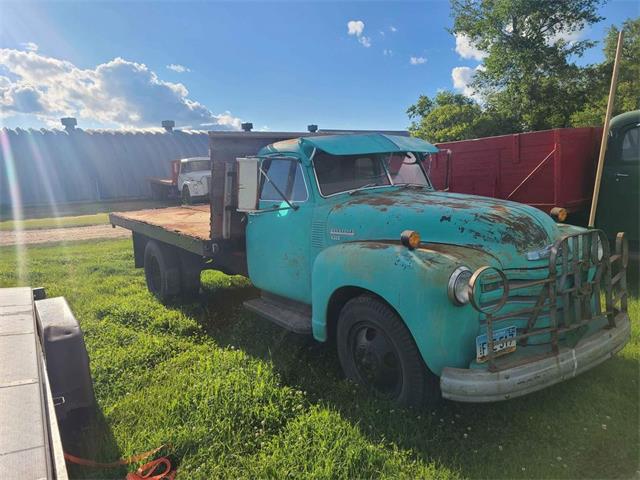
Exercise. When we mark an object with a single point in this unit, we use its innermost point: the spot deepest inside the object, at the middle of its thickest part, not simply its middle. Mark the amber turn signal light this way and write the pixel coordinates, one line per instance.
(559, 214)
(410, 239)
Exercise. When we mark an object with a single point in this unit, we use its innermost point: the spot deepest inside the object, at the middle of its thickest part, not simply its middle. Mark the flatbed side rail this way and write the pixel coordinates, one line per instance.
(195, 245)
(585, 284)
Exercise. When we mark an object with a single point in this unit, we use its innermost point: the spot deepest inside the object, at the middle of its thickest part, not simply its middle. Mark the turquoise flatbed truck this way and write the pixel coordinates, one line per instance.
(425, 293)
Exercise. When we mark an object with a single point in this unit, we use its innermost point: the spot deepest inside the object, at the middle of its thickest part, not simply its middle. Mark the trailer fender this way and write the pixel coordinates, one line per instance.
(413, 282)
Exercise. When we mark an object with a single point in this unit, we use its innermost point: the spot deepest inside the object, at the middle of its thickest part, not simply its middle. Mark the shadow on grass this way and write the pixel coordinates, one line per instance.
(585, 427)
(87, 435)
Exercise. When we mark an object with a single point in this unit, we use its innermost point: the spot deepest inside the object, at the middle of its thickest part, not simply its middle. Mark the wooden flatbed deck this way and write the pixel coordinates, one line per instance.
(187, 227)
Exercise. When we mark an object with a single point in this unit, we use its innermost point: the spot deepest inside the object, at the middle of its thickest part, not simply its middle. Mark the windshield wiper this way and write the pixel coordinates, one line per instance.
(411, 185)
(275, 187)
(363, 187)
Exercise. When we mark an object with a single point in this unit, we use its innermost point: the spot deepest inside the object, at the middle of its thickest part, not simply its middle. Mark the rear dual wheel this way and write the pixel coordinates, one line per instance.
(377, 351)
(169, 272)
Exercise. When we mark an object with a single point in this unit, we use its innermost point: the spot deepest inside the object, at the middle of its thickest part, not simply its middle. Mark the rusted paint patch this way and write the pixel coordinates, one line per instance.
(377, 244)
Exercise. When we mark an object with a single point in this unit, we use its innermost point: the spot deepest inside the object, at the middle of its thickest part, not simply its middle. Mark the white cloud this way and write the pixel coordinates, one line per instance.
(466, 49)
(387, 52)
(176, 67)
(116, 93)
(356, 29)
(417, 60)
(567, 37)
(30, 46)
(462, 78)
(364, 41)
(393, 29)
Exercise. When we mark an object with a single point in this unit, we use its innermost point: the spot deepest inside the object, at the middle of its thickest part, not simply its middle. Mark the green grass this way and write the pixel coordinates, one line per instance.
(240, 398)
(55, 222)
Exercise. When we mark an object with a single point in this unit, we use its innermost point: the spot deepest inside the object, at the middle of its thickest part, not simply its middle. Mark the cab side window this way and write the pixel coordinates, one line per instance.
(286, 174)
(631, 145)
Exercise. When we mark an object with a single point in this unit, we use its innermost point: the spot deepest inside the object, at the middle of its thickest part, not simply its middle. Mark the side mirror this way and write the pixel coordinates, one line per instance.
(248, 181)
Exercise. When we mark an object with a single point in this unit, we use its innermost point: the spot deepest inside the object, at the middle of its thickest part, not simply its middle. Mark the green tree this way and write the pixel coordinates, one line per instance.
(628, 89)
(529, 74)
(450, 116)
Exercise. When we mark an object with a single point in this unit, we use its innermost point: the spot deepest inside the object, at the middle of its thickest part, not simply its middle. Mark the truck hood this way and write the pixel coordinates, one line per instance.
(507, 230)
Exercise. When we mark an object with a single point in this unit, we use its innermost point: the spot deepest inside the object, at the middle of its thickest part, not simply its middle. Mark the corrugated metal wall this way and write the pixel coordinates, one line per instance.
(59, 166)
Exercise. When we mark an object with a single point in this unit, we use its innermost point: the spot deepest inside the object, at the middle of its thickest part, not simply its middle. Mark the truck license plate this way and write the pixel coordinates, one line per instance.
(508, 346)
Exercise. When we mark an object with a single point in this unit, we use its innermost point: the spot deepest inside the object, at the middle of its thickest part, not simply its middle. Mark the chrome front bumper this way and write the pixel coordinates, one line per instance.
(474, 385)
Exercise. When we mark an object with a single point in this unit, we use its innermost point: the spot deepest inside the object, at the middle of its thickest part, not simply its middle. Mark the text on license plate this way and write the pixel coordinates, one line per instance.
(501, 343)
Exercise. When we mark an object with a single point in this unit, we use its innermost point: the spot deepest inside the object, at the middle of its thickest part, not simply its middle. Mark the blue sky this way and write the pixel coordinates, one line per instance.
(279, 65)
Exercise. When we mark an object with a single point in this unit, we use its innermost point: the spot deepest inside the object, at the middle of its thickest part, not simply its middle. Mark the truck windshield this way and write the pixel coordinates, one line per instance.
(343, 173)
(196, 166)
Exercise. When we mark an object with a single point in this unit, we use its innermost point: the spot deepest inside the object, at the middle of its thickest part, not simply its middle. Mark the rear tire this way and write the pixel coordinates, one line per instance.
(377, 351)
(190, 269)
(162, 270)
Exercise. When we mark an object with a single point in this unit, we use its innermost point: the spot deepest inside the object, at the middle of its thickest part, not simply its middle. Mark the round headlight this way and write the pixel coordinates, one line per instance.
(459, 285)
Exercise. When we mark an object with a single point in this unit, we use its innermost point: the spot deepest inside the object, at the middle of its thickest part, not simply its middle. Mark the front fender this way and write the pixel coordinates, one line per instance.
(196, 189)
(414, 283)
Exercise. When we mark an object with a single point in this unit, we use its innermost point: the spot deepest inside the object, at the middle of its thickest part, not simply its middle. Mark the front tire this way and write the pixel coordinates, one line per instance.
(186, 196)
(377, 351)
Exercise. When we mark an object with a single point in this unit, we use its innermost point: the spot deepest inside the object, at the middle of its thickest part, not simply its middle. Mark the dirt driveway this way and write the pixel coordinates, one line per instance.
(70, 234)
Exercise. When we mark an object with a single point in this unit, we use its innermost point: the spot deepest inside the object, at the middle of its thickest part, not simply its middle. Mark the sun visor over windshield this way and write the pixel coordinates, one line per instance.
(368, 143)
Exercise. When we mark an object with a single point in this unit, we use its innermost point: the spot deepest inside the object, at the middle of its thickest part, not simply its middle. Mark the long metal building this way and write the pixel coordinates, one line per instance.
(72, 165)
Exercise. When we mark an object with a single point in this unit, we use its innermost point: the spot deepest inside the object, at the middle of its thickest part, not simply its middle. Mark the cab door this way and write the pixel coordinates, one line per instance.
(618, 209)
(278, 236)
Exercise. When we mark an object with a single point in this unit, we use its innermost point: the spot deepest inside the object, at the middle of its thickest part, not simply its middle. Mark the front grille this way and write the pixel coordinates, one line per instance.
(582, 288)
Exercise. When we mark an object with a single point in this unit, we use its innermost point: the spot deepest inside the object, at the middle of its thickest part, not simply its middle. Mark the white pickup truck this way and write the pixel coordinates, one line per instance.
(193, 179)
(189, 181)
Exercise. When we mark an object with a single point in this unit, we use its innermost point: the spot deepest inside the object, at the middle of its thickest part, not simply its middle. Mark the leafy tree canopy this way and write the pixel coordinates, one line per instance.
(529, 79)
(628, 89)
(450, 116)
(529, 72)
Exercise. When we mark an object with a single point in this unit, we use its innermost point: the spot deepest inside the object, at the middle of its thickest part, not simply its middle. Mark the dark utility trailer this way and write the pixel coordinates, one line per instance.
(44, 377)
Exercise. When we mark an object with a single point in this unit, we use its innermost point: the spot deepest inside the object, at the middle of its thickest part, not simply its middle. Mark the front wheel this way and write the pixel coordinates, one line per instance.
(377, 351)
(186, 196)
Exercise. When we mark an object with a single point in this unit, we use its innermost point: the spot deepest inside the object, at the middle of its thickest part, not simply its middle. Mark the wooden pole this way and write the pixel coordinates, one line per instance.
(605, 133)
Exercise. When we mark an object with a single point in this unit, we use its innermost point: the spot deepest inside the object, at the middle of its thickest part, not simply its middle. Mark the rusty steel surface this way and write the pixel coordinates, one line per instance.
(191, 221)
(546, 169)
(584, 289)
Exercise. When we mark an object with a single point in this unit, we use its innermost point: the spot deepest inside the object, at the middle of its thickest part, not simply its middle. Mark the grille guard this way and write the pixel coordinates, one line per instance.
(589, 287)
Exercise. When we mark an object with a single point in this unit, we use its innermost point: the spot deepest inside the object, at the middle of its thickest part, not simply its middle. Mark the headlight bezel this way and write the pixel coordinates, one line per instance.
(459, 292)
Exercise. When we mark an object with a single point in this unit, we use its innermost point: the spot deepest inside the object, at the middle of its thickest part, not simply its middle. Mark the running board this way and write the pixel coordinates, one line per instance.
(291, 315)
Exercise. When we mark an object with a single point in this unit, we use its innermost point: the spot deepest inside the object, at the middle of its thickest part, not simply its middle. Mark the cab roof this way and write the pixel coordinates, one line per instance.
(354, 144)
(625, 119)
